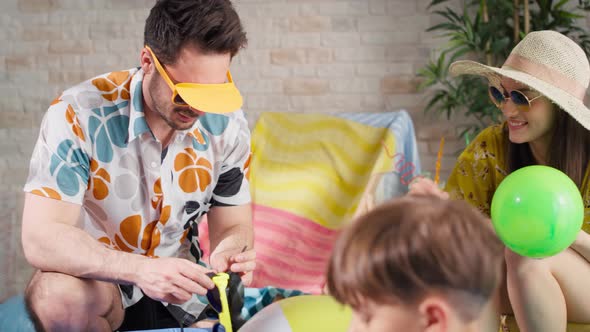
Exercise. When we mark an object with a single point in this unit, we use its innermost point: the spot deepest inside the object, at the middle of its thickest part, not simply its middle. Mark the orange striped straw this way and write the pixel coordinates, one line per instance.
(438, 159)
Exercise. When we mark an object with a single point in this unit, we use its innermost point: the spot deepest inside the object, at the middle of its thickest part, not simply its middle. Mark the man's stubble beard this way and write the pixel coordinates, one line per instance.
(159, 106)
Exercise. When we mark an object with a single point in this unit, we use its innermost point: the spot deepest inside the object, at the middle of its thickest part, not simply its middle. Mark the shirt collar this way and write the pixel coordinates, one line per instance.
(137, 123)
(181, 134)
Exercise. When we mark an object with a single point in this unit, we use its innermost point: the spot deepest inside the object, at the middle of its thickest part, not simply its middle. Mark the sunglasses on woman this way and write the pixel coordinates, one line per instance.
(518, 98)
(209, 98)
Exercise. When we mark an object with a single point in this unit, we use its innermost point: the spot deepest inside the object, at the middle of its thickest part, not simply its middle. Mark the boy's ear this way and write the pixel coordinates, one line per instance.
(434, 314)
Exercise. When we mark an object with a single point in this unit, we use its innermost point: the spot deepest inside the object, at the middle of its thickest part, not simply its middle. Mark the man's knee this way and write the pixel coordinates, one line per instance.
(32, 314)
(55, 299)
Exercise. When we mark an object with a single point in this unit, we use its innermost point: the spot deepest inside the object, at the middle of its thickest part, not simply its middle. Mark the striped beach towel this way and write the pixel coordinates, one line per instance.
(308, 174)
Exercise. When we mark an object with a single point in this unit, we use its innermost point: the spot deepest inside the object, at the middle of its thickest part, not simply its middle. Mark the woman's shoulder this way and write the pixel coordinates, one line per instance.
(487, 148)
(489, 140)
(492, 134)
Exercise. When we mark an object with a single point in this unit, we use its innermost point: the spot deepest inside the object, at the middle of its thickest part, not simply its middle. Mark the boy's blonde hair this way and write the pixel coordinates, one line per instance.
(408, 248)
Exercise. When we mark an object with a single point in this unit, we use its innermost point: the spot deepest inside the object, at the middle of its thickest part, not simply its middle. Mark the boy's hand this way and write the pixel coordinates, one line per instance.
(425, 187)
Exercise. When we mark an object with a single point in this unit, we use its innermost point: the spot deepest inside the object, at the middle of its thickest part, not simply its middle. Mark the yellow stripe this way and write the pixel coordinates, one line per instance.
(365, 137)
(346, 182)
(315, 166)
(339, 153)
(325, 126)
(318, 194)
(275, 174)
(317, 214)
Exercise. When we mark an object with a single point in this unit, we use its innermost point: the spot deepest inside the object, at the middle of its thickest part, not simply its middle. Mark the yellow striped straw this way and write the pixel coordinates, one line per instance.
(438, 159)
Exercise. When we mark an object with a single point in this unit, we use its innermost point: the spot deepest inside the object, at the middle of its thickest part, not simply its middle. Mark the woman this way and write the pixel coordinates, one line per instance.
(540, 90)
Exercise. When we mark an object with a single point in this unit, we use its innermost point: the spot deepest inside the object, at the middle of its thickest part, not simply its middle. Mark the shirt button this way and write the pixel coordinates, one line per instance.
(154, 164)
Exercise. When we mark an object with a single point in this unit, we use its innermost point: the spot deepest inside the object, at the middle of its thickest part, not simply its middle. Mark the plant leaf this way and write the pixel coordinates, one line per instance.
(435, 2)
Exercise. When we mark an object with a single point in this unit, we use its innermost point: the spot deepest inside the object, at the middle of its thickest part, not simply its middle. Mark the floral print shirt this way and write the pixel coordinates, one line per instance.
(482, 166)
(95, 149)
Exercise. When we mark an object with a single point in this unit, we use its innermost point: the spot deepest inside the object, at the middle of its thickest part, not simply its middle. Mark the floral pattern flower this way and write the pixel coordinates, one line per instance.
(99, 181)
(114, 85)
(108, 127)
(157, 194)
(195, 172)
(47, 192)
(69, 166)
(73, 121)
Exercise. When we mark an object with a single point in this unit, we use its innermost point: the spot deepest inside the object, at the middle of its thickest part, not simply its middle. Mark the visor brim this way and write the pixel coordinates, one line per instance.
(214, 98)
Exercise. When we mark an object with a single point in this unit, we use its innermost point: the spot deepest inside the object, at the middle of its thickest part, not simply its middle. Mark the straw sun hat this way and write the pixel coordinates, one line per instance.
(547, 62)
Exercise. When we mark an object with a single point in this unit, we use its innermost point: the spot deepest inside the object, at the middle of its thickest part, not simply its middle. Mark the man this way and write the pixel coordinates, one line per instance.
(125, 167)
(418, 264)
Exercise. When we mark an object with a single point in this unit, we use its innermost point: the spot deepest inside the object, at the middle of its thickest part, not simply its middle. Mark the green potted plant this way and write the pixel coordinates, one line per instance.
(486, 31)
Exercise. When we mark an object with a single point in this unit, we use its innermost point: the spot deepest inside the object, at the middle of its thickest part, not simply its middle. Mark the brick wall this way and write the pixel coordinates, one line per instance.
(303, 56)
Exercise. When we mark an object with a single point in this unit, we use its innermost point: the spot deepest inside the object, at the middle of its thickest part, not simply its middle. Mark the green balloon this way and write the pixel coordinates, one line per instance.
(537, 211)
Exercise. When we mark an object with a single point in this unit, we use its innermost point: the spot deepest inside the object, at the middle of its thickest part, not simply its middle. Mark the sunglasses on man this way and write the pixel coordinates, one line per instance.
(518, 98)
(209, 98)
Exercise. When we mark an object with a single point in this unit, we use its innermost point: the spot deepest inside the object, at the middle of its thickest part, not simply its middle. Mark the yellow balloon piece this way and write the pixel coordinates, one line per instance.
(305, 313)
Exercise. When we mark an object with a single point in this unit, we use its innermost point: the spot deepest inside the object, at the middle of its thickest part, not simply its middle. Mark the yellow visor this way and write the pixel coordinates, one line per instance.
(209, 98)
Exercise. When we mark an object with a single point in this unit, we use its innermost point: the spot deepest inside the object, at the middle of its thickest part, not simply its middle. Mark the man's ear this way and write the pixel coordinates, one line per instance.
(434, 314)
(145, 61)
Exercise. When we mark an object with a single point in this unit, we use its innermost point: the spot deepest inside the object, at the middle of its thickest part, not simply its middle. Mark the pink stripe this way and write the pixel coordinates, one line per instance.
(301, 222)
(277, 231)
(285, 275)
(287, 266)
(264, 244)
(277, 226)
(295, 262)
(292, 251)
(279, 278)
(281, 221)
(263, 278)
(547, 74)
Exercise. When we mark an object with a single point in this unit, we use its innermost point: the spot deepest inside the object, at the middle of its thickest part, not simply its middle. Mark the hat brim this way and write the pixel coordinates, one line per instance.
(569, 103)
(214, 98)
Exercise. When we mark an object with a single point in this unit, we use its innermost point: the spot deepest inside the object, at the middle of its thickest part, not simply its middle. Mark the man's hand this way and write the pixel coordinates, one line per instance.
(235, 260)
(426, 187)
(172, 280)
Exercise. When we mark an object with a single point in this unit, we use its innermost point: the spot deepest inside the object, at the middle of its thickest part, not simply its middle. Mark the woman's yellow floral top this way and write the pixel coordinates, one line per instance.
(482, 166)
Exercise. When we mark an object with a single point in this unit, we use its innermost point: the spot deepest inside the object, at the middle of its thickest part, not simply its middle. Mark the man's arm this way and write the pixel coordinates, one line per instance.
(52, 242)
(232, 237)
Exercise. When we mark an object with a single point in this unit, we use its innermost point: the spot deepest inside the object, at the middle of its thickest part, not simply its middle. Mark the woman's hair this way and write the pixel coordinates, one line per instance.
(411, 247)
(211, 25)
(569, 149)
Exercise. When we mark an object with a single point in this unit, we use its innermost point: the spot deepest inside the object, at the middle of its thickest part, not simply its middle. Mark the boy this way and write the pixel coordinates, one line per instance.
(418, 264)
